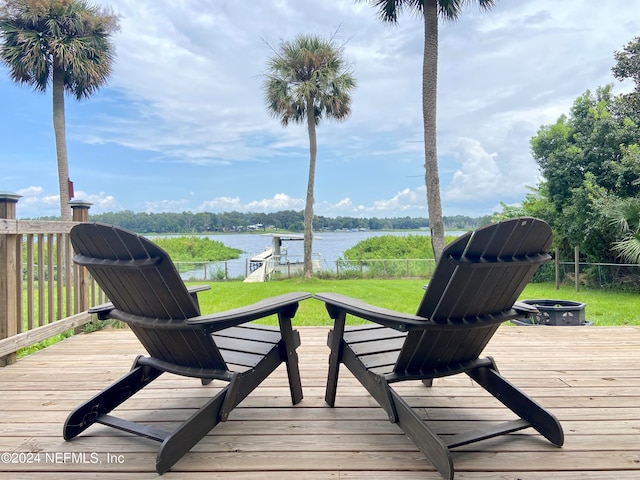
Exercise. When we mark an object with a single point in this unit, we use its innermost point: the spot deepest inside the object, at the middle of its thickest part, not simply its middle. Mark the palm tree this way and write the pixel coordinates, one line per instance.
(625, 214)
(430, 10)
(307, 80)
(62, 43)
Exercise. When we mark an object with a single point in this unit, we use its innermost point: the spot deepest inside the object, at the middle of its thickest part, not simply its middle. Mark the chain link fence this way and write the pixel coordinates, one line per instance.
(594, 275)
(339, 269)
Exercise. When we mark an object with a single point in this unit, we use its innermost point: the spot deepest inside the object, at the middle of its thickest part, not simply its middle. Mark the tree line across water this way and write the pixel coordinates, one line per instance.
(289, 220)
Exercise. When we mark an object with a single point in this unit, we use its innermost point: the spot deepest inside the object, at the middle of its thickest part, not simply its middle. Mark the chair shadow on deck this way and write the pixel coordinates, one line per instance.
(474, 289)
(147, 293)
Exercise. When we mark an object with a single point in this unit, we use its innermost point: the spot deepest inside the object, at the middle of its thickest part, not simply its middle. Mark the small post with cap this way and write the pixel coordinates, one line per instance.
(9, 271)
(80, 213)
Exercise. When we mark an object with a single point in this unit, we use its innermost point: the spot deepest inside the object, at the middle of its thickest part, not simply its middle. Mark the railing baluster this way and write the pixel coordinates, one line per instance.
(68, 272)
(50, 279)
(30, 282)
(59, 275)
(41, 288)
(19, 286)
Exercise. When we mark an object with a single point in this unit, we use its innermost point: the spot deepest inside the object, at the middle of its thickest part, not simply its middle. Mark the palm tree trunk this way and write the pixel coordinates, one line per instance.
(308, 208)
(429, 103)
(61, 142)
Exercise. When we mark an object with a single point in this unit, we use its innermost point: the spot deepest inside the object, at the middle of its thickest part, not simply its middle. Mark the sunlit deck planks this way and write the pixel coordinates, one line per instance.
(588, 376)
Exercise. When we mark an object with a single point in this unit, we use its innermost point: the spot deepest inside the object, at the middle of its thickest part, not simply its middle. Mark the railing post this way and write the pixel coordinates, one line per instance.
(9, 263)
(557, 265)
(80, 213)
(576, 256)
(80, 210)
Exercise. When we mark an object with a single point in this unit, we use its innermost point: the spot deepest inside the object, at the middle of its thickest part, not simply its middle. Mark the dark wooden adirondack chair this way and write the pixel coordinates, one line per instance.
(473, 290)
(148, 294)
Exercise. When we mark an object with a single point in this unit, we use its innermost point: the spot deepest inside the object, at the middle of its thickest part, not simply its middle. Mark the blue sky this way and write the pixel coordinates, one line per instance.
(182, 125)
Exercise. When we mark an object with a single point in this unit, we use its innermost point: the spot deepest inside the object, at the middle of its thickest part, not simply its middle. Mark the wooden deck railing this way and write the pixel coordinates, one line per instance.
(42, 293)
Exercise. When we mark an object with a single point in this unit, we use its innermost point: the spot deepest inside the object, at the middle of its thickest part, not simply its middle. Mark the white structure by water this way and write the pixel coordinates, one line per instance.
(275, 259)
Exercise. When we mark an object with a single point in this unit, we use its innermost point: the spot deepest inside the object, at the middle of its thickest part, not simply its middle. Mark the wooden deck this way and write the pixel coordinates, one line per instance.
(588, 376)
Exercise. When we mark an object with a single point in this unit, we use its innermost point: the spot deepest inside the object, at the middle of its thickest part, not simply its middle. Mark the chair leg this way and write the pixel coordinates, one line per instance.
(397, 409)
(86, 414)
(216, 410)
(291, 340)
(332, 377)
(179, 442)
(293, 373)
(335, 344)
(520, 403)
(423, 437)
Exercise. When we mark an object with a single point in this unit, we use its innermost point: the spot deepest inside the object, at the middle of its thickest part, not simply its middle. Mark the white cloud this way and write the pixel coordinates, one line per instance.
(343, 208)
(406, 200)
(479, 175)
(36, 195)
(37, 202)
(100, 202)
(166, 206)
(221, 204)
(280, 201)
(412, 201)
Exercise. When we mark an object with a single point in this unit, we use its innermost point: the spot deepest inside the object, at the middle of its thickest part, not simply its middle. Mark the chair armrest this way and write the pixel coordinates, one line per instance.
(198, 288)
(103, 309)
(286, 304)
(525, 308)
(389, 318)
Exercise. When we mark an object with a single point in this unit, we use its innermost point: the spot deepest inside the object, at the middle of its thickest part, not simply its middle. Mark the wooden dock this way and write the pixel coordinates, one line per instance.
(588, 376)
(265, 263)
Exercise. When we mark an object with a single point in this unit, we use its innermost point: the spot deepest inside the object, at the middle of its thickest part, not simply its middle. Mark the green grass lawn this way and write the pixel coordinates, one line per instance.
(603, 307)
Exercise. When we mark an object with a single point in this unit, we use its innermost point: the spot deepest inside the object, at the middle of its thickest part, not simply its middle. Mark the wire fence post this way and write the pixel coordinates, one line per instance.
(576, 256)
(557, 265)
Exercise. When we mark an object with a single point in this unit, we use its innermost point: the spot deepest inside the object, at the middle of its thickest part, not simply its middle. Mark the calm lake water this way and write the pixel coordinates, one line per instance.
(327, 246)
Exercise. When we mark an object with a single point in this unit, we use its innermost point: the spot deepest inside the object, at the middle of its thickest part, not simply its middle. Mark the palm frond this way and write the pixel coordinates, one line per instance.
(390, 10)
(307, 71)
(626, 215)
(629, 248)
(70, 34)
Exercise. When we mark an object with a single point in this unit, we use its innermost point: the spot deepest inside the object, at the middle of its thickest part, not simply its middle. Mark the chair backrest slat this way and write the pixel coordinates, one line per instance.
(140, 279)
(485, 271)
(156, 291)
(479, 274)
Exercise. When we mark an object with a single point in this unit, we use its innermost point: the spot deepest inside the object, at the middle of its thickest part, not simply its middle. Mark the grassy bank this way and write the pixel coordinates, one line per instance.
(603, 307)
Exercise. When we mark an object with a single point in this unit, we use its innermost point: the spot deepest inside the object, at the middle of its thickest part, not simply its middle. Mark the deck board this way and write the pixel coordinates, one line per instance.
(588, 376)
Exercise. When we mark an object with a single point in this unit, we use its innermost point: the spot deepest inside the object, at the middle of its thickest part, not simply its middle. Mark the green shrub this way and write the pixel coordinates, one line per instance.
(197, 249)
(391, 247)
